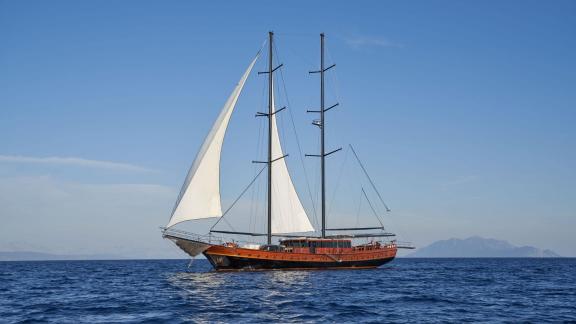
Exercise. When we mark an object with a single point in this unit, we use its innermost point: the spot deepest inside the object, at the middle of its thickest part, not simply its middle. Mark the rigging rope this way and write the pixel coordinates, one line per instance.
(236, 200)
(301, 155)
(369, 179)
(255, 206)
(359, 209)
(231, 227)
(255, 190)
(337, 182)
(371, 207)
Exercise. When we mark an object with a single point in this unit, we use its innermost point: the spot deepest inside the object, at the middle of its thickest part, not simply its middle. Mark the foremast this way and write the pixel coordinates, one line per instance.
(270, 115)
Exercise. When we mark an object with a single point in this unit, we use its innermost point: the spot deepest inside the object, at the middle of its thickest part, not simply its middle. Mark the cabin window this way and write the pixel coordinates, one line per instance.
(296, 244)
(318, 244)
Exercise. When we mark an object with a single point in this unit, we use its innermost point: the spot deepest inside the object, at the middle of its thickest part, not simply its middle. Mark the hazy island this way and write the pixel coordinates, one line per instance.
(478, 247)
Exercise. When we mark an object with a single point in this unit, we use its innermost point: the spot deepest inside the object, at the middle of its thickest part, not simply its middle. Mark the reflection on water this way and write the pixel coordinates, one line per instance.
(243, 294)
(287, 277)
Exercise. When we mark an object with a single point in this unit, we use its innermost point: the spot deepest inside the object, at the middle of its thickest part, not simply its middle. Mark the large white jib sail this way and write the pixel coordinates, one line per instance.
(200, 193)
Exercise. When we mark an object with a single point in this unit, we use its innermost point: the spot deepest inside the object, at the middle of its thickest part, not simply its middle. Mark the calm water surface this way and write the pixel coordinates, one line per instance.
(406, 290)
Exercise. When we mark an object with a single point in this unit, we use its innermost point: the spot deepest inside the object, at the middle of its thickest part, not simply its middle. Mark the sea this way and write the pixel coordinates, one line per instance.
(177, 291)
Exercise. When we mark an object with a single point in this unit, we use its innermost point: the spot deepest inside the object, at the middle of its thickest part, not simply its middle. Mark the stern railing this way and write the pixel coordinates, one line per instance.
(405, 245)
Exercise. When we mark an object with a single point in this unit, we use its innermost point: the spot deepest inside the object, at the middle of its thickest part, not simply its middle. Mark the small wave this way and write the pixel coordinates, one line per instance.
(408, 291)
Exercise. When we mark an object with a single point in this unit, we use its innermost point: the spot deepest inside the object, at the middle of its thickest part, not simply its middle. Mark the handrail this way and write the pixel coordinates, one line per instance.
(405, 245)
(191, 236)
(220, 240)
(209, 238)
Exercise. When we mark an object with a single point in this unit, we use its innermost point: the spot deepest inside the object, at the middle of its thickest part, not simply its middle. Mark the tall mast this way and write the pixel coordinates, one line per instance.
(321, 124)
(270, 115)
(270, 108)
(322, 128)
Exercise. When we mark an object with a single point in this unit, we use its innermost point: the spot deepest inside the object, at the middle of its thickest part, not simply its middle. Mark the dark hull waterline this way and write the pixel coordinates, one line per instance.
(234, 263)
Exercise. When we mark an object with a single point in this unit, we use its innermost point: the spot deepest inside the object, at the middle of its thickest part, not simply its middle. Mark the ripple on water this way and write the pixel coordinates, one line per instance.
(407, 290)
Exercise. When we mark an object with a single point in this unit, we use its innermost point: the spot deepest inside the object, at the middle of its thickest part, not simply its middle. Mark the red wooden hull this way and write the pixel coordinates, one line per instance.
(230, 258)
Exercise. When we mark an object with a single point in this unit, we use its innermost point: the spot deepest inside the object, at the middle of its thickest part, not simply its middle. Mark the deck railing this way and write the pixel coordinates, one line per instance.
(208, 238)
(219, 240)
(405, 245)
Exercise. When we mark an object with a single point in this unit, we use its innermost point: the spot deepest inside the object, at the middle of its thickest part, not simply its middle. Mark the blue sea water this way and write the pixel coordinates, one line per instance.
(406, 290)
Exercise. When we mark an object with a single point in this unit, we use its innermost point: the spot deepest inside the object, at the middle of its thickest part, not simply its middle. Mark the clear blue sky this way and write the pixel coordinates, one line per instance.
(464, 113)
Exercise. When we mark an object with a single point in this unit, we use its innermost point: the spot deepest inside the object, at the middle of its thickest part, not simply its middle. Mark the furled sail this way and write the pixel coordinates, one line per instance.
(288, 214)
(200, 193)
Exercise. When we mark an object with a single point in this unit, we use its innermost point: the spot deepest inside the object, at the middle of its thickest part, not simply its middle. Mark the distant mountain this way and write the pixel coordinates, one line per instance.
(478, 247)
(40, 256)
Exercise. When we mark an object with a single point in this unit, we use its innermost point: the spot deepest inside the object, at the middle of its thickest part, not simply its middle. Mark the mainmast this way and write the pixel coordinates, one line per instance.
(321, 124)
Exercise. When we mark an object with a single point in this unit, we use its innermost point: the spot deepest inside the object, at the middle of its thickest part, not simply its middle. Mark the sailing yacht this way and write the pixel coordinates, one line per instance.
(287, 219)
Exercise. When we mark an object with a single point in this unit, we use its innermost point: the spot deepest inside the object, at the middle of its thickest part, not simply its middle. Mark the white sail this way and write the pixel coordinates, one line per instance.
(288, 214)
(200, 194)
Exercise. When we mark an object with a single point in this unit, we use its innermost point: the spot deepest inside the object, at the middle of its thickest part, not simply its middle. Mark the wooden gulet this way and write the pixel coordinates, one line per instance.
(293, 252)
